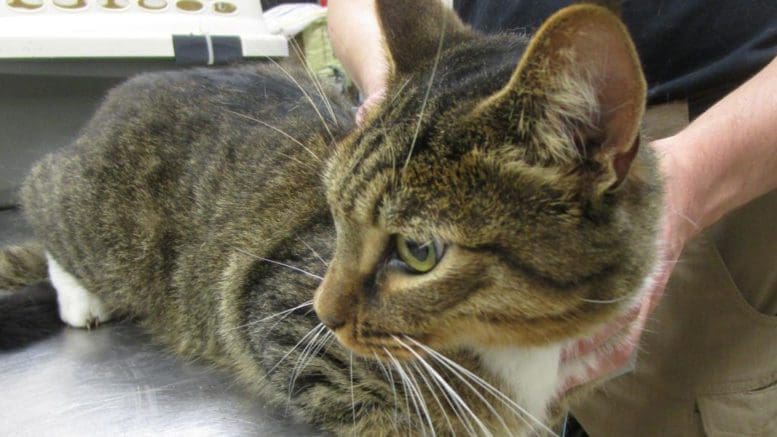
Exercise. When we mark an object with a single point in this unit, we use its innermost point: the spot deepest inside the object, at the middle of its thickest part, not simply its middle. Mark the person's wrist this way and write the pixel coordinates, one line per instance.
(683, 201)
(356, 40)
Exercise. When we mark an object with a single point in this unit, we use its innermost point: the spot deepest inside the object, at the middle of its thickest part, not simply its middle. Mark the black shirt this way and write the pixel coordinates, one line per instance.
(695, 49)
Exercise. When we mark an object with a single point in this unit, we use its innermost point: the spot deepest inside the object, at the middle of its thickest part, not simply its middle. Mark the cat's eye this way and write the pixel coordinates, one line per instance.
(418, 257)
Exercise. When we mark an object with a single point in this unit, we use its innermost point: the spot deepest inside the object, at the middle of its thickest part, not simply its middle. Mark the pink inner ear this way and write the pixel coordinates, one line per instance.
(602, 48)
(622, 162)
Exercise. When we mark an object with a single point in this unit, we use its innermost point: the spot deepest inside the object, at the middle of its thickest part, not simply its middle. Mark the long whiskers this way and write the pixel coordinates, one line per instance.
(280, 131)
(452, 398)
(434, 396)
(307, 96)
(353, 400)
(289, 266)
(390, 379)
(450, 389)
(311, 350)
(421, 399)
(316, 82)
(455, 367)
(316, 328)
(607, 301)
(399, 91)
(326, 264)
(284, 314)
(408, 389)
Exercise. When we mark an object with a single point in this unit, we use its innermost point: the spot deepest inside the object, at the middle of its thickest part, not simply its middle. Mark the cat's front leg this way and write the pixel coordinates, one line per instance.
(78, 307)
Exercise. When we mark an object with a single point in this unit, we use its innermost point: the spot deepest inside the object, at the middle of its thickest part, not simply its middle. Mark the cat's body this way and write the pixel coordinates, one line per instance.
(207, 203)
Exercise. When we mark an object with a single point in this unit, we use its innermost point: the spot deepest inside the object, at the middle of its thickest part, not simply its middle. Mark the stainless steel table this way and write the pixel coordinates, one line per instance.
(114, 381)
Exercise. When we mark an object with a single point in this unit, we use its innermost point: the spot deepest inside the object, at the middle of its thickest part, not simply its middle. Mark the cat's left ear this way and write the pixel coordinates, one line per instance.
(576, 99)
(415, 30)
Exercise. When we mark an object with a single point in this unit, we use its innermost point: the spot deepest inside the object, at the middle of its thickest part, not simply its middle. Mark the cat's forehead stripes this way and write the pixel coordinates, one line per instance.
(385, 145)
(379, 154)
(367, 165)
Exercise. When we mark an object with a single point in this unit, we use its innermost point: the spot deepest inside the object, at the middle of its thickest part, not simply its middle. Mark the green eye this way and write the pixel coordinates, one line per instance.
(420, 258)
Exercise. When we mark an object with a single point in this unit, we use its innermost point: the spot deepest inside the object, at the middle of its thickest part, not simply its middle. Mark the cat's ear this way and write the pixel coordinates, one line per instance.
(413, 31)
(576, 98)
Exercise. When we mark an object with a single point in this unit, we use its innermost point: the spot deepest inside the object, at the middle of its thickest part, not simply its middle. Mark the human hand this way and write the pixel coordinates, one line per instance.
(369, 102)
(613, 346)
(725, 158)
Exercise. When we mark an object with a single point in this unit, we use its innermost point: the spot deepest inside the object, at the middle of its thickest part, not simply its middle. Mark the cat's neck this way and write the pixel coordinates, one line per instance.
(529, 376)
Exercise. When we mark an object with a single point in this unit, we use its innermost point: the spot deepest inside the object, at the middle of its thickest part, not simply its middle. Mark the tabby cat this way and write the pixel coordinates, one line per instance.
(416, 274)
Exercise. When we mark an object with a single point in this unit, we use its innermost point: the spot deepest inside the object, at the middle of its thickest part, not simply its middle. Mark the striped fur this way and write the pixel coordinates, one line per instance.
(231, 211)
(22, 265)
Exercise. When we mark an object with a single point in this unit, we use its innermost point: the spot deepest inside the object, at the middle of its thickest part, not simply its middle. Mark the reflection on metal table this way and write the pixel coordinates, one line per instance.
(114, 381)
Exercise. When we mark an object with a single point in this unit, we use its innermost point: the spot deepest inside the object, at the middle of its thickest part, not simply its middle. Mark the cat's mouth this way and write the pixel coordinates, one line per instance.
(385, 346)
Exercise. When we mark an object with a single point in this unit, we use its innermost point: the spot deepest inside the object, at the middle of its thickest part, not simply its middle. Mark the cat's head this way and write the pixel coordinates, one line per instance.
(496, 196)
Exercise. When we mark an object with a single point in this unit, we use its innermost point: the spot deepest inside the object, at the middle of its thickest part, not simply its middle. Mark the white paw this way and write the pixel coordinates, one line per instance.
(77, 306)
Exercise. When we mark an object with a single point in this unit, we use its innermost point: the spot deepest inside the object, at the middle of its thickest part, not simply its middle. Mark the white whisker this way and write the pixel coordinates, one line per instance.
(403, 379)
(683, 216)
(286, 355)
(314, 253)
(316, 350)
(271, 328)
(478, 380)
(426, 95)
(452, 397)
(353, 401)
(282, 132)
(293, 158)
(284, 313)
(390, 379)
(421, 400)
(297, 269)
(450, 389)
(457, 370)
(393, 154)
(303, 357)
(315, 80)
(307, 96)
(607, 301)
(399, 91)
(434, 395)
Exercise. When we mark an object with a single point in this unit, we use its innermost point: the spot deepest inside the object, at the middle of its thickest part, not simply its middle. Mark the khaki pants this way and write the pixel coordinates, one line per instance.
(707, 364)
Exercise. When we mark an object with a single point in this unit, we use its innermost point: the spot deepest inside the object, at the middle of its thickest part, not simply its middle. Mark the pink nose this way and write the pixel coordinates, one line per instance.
(331, 322)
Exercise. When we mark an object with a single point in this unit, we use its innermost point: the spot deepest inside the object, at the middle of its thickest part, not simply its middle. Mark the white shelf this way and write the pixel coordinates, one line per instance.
(56, 29)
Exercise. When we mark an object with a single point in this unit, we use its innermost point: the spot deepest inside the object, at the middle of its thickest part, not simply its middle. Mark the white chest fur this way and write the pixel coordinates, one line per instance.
(530, 374)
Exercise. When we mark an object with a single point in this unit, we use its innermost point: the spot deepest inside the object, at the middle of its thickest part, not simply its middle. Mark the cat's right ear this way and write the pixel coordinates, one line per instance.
(414, 31)
(575, 101)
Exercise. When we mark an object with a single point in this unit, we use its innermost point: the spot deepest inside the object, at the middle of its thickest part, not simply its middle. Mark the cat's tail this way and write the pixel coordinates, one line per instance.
(28, 312)
(22, 265)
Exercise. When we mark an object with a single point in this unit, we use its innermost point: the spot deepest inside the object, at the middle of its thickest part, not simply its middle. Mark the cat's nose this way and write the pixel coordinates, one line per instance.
(332, 323)
(337, 298)
(329, 309)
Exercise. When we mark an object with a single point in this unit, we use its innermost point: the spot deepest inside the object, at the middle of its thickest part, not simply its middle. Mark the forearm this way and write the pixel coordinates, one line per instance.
(726, 157)
(355, 35)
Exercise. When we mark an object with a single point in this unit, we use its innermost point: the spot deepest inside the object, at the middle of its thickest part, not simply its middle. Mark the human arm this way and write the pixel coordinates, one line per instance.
(355, 33)
(726, 157)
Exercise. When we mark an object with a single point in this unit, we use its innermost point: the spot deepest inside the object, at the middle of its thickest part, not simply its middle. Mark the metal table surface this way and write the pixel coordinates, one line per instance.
(114, 381)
